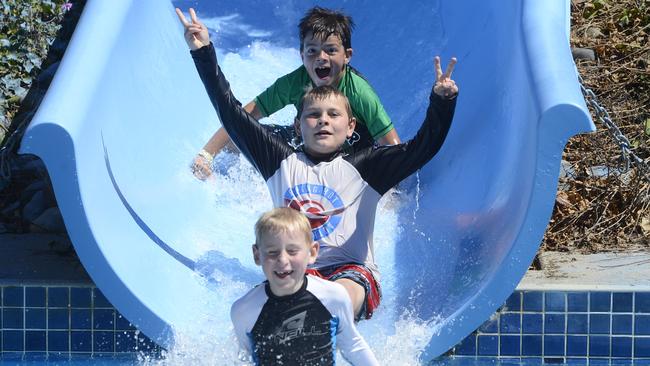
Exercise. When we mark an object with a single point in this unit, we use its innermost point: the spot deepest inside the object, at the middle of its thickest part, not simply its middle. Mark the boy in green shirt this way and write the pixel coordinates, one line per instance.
(326, 50)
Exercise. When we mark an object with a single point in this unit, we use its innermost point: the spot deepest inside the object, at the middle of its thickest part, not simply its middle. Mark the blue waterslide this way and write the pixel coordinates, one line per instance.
(126, 112)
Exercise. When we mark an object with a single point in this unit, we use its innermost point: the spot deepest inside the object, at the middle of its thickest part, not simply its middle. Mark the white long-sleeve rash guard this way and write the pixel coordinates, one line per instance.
(339, 194)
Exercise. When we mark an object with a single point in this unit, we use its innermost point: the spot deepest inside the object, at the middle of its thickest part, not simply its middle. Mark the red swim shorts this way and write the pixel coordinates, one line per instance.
(359, 274)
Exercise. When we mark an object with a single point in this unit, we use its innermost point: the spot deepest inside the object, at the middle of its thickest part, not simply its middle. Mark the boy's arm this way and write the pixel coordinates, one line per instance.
(352, 345)
(386, 166)
(202, 164)
(262, 149)
(239, 324)
(287, 89)
(391, 138)
(368, 109)
(281, 93)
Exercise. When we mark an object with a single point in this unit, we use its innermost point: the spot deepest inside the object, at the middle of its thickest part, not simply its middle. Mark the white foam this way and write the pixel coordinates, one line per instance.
(233, 25)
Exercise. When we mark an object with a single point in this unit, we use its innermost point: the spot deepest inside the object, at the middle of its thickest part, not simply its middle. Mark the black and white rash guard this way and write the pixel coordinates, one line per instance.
(305, 328)
(338, 193)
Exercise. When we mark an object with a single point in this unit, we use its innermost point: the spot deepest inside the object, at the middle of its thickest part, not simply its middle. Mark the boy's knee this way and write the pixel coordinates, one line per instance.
(357, 292)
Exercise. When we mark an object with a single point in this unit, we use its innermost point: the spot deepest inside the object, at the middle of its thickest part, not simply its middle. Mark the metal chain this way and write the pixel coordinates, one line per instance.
(627, 154)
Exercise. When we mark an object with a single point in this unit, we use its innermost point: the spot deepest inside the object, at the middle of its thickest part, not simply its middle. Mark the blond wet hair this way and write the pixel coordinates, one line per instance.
(282, 220)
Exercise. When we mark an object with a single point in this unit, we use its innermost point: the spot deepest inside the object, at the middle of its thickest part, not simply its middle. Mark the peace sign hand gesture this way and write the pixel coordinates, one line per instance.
(445, 86)
(196, 34)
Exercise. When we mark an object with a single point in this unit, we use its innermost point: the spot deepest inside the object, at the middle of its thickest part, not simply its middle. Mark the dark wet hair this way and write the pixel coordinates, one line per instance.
(320, 93)
(323, 23)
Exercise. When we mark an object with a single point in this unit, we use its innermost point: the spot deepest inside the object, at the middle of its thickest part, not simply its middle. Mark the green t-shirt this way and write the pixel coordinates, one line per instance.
(366, 107)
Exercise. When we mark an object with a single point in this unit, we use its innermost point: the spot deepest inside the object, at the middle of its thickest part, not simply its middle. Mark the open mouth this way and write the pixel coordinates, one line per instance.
(323, 72)
(283, 274)
(323, 133)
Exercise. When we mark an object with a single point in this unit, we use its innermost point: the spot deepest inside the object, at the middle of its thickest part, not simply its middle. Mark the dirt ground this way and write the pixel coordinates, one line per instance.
(601, 206)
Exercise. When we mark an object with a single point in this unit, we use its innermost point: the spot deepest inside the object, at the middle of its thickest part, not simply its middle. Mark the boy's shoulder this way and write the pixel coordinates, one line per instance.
(297, 76)
(357, 88)
(254, 298)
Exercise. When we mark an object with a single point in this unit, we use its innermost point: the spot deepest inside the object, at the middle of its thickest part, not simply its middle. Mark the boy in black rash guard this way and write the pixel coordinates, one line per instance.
(337, 191)
(293, 318)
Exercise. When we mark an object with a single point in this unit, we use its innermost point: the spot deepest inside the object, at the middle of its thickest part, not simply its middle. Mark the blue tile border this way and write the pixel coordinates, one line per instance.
(553, 326)
(622, 302)
(488, 345)
(58, 297)
(577, 323)
(35, 297)
(641, 347)
(555, 302)
(577, 301)
(622, 324)
(35, 318)
(533, 301)
(622, 347)
(81, 297)
(64, 322)
(570, 327)
(12, 296)
(514, 302)
(532, 323)
(576, 346)
(642, 302)
(531, 345)
(600, 302)
(642, 324)
(510, 323)
(554, 323)
(599, 323)
(510, 345)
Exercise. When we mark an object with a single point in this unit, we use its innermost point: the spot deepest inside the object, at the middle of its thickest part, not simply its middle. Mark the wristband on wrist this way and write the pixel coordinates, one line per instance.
(206, 155)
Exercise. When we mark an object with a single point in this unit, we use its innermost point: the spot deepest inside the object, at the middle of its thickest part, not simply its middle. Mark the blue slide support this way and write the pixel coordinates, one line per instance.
(124, 114)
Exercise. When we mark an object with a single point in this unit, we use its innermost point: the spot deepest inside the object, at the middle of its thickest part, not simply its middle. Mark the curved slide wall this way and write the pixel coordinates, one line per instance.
(126, 112)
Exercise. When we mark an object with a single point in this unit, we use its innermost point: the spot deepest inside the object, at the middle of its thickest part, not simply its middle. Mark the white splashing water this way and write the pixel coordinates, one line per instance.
(232, 25)
(237, 195)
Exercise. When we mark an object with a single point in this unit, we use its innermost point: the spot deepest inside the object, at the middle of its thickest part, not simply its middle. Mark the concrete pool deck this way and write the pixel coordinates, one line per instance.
(628, 271)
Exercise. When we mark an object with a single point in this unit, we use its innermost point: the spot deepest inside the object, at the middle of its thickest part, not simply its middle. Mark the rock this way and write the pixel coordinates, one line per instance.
(10, 208)
(49, 221)
(566, 171)
(583, 54)
(21, 164)
(31, 189)
(594, 32)
(35, 207)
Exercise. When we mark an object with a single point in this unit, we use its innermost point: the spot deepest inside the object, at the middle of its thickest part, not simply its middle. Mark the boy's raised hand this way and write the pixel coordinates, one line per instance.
(196, 34)
(445, 86)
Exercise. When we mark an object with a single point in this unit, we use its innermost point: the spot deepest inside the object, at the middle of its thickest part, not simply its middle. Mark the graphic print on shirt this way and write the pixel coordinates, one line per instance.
(321, 204)
(294, 327)
(291, 328)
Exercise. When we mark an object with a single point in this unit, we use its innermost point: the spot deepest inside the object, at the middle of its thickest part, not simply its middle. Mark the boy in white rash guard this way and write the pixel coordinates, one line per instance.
(336, 190)
(293, 318)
